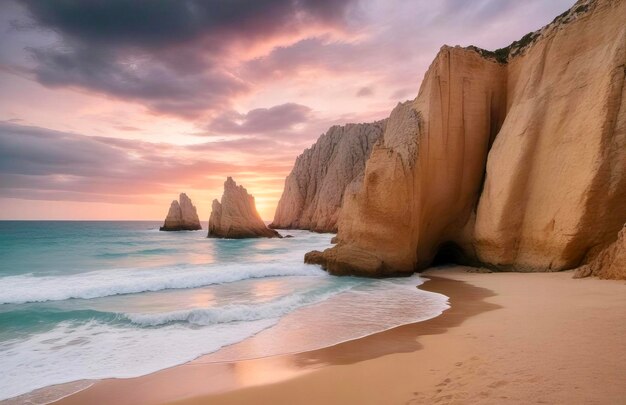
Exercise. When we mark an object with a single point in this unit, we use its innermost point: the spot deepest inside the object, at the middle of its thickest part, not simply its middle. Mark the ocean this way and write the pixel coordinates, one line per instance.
(84, 300)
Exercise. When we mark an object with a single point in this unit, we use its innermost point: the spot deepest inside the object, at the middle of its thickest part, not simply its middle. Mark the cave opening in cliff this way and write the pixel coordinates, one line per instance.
(448, 253)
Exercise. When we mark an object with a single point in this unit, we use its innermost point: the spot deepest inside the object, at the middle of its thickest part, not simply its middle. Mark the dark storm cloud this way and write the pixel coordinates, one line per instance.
(188, 57)
(158, 86)
(165, 54)
(261, 120)
(150, 23)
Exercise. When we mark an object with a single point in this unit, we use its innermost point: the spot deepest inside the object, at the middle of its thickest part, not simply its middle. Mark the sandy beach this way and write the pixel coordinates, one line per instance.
(507, 338)
(278, 202)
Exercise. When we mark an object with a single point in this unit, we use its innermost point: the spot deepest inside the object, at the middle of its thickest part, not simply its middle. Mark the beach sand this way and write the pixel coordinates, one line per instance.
(507, 338)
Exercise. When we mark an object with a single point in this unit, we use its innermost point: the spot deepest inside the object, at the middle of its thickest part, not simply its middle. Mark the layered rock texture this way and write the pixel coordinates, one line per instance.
(182, 216)
(513, 159)
(314, 189)
(236, 217)
(610, 262)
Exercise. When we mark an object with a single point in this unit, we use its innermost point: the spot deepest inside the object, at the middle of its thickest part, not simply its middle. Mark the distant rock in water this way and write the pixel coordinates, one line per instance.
(314, 189)
(182, 216)
(236, 216)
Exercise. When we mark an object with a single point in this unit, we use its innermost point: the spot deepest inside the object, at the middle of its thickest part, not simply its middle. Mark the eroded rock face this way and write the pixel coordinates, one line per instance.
(314, 189)
(182, 216)
(609, 263)
(236, 217)
(422, 180)
(518, 163)
(556, 174)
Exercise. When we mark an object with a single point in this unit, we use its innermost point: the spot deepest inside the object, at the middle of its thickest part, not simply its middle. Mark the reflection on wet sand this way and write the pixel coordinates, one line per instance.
(197, 381)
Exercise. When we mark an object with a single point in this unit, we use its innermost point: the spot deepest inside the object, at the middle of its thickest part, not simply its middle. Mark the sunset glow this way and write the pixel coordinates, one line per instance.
(105, 117)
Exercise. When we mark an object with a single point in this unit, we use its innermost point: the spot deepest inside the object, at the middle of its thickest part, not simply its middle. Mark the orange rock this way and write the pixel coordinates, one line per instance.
(236, 217)
(182, 216)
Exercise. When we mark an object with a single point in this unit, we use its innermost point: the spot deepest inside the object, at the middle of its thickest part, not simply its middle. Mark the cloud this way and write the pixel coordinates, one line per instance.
(47, 164)
(206, 64)
(150, 24)
(156, 85)
(261, 120)
(318, 52)
(173, 56)
(35, 151)
(198, 59)
(365, 91)
(127, 128)
(399, 39)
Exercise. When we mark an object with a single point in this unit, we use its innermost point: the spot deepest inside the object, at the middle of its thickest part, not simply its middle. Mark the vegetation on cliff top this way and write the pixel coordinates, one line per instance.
(503, 55)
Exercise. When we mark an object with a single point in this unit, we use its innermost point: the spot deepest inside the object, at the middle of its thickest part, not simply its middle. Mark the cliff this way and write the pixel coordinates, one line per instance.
(314, 189)
(182, 216)
(513, 159)
(236, 217)
(556, 176)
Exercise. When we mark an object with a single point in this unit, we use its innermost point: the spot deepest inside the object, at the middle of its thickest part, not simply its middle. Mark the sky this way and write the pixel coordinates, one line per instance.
(111, 108)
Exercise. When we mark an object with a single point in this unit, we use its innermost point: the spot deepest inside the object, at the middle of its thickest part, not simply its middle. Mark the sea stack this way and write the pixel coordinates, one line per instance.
(315, 187)
(236, 217)
(182, 216)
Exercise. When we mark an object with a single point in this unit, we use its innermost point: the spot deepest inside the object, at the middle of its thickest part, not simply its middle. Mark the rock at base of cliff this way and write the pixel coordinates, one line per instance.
(343, 260)
(236, 217)
(610, 262)
(182, 216)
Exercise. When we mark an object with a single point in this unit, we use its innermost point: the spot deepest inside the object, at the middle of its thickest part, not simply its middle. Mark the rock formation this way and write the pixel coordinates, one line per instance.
(236, 216)
(315, 187)
(609, 263)
(514, 159)
(556, 175)
(182, 216)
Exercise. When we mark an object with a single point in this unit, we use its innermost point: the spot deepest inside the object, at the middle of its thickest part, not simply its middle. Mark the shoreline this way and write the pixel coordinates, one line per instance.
(507, 338)
(225, 377)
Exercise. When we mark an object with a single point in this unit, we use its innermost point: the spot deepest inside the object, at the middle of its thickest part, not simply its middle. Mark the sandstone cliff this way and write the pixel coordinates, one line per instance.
(556, 175)
(515, 159)
(236, 217)
(314, 189)
(182, 216)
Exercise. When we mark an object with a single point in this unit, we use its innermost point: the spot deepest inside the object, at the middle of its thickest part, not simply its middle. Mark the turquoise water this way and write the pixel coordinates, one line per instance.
(89, 300)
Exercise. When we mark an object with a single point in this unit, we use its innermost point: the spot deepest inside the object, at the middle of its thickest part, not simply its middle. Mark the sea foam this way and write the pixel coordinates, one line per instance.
(239, 312)
(97, 348)
(28, 288)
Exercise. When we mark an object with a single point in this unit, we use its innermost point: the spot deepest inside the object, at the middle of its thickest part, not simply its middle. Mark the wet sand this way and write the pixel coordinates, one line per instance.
(507, 338)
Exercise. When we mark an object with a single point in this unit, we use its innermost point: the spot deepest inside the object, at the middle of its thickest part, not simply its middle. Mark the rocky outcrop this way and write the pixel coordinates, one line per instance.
(236, 217)
(515, 159)
(182, 216)
(315, 187)
(609, 263)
